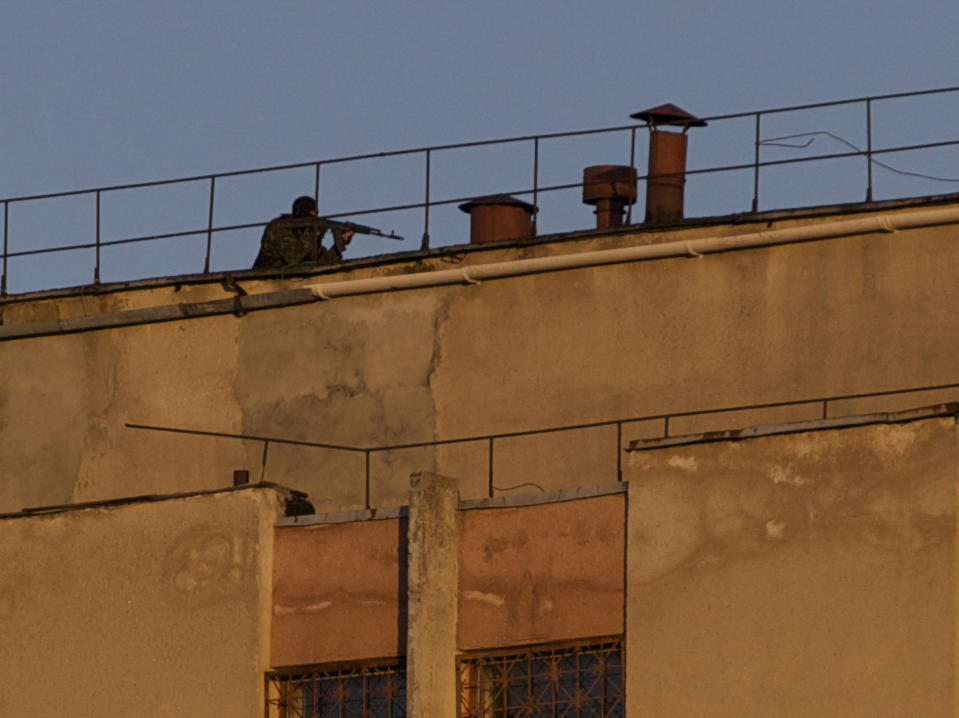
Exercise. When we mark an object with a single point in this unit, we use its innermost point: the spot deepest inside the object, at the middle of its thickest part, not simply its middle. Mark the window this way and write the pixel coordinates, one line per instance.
(572, 680)
(367, 691)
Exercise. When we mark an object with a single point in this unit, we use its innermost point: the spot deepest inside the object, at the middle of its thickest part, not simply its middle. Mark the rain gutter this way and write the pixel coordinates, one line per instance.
(478, 273)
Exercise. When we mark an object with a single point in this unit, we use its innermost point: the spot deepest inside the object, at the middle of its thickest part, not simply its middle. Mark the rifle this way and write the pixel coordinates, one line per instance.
(335, 224)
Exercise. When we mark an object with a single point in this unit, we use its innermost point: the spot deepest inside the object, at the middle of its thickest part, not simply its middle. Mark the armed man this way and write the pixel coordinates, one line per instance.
(297, 238)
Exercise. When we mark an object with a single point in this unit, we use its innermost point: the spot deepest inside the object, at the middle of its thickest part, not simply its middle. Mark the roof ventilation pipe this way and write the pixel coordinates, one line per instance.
(499, 216)
(610, 188)
(666, 176)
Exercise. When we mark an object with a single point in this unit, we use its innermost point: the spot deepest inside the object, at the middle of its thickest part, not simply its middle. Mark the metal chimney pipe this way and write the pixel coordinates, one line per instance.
(497, 217)
(610, 188)
(666, 174)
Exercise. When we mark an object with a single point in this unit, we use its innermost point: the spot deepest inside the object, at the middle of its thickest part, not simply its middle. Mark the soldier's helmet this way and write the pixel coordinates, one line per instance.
(304, 206)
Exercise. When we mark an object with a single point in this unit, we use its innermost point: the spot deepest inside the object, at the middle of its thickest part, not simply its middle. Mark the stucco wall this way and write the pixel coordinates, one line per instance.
(856, 314)
(339, 592)
(534, 574)
(810, 574)
(147, 609)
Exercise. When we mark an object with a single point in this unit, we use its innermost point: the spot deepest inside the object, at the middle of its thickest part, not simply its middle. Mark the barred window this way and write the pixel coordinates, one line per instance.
(574, 680)
(366, 691)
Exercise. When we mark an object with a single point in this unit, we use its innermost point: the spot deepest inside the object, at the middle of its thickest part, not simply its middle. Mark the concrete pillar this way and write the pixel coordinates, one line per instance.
(433, 578)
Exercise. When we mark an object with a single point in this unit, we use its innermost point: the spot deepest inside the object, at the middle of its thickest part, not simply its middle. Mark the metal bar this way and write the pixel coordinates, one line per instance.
(756, 168)
(869, 150)
(248, 437)
(96, 266)
(426, 207)
(434, 203)
(833, 103)
(316, 185)
(491, 467)
(367, 491)
(6, 226)
(549, 430)
(619, 451)
(266, 447)
(460, 145)
(209, 228)
(632, 165)
(535, 183)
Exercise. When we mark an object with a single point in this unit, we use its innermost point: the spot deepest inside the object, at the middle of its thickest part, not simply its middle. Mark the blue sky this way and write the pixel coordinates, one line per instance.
(101, 93)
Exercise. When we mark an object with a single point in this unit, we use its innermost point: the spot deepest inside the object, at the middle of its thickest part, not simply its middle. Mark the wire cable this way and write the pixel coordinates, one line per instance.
(777, 142)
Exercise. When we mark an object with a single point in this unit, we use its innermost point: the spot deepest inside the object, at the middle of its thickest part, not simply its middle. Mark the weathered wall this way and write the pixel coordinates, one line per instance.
(339, 592)
(147, 609)
(856, 314)
(810, 574)
(534, 574)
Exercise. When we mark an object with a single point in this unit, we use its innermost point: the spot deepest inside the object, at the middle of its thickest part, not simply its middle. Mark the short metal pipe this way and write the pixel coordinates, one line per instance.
(367, 483)
(96, 265)
(535, 181)
(491, 467)
(209, 228)
(6, 233)
(756, 168)
(425, 244)
(632, 166)
(266, 448)
(869, 150)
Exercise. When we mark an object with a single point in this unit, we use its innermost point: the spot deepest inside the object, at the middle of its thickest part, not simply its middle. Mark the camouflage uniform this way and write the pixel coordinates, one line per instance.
(289, 240)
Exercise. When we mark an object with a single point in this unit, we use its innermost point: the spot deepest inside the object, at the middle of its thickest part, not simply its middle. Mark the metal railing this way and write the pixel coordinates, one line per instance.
(377, 690)
(578, 679)
(490, 439)
(534, 190)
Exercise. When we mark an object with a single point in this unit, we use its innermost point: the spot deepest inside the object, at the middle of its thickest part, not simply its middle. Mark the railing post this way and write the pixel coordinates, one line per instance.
(3, 275)
(491, 467)
(619, 451)
(316, 185)
(209, 227)
(425, 244)
(96, 266)
(869, 150)
(266, 448)
(367, 499)
(756, 167)
(632, 166)
(535, 183)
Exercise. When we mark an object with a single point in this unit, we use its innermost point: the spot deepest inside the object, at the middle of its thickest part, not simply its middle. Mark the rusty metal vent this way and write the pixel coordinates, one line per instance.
(575, 680)
(668, 114)
(360, 691)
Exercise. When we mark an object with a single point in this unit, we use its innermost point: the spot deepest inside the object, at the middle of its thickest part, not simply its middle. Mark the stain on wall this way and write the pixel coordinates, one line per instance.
(150, 609)
(808, 574)
(541, 573)
(339, 592)
(849, 315)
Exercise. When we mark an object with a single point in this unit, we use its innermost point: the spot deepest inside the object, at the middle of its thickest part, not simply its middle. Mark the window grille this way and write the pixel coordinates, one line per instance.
(571, 681)
(352, 692)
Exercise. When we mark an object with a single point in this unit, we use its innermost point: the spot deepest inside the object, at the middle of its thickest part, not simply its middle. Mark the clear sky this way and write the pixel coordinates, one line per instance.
(108, 92)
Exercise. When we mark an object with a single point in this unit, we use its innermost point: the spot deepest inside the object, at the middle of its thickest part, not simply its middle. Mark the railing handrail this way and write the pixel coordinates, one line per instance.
(464, 145)
(427, 150)
(490, 438)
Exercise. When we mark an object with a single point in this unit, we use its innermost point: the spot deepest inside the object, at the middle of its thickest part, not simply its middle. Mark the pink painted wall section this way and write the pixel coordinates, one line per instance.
(541, 573)
(336, 592)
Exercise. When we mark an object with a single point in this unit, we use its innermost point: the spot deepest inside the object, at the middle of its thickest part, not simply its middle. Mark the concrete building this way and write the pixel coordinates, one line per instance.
(508, 478)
